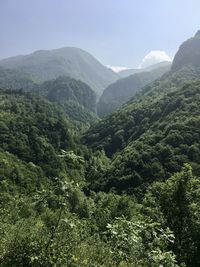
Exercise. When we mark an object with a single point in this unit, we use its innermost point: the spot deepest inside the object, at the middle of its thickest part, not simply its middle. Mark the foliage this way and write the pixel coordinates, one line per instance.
(124, 197)
(149, 139)
(177, 202)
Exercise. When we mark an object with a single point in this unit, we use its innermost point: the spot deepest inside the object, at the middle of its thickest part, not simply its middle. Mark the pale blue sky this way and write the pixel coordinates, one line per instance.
(117, 32)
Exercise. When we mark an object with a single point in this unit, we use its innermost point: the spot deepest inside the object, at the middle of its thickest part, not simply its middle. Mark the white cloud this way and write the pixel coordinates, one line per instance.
(116, 68)
(153, 57)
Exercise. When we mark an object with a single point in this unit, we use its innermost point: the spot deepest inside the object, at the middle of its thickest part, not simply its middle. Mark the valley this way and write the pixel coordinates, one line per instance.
(99, 168)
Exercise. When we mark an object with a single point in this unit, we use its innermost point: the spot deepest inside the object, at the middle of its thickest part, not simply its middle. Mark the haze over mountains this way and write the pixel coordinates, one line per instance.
(45, 65)
(119, 92)
(30, 70)
(128, 72)
(76, 190)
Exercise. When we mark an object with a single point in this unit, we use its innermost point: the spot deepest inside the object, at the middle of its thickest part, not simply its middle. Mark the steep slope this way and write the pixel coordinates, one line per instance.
(188, 54)
(76, 98)
(155, 137)
(118, 93)
(64, 89)
(46, 65)
(128, 120)
(154, 134)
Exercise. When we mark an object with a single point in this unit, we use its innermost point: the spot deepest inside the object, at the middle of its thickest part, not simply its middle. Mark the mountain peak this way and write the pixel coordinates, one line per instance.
(43, 65)
(197, 34)
(188, 53)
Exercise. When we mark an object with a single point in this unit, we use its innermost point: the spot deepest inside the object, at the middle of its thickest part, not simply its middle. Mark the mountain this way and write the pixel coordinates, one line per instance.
(14, 79)
(188, 53)
(152, 135)
(153, 143)
(128, 72)
(76, 98)
(159, 65)
(46, 65)
(118, 93)
(126, 194)
(149, 138)
(65, 89)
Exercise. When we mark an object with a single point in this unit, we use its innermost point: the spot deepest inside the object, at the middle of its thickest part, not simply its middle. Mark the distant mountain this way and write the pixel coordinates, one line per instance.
(188, 53)
(159, 65)
(124, 89)
(45, 65)
(128, 72)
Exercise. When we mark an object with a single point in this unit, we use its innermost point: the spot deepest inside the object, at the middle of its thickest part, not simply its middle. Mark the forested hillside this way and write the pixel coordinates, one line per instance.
(46, 219)
(65, 89)
(118, 93)
(76, 98)
(123, 193)
(154, 137)
(13, 79)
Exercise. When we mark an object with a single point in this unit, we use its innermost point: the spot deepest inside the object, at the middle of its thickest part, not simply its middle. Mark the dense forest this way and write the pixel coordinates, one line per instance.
(80, 191)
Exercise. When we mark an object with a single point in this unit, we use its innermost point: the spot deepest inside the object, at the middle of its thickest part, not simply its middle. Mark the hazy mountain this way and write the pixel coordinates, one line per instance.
(45, 65)
(124, 89)
(126, 73)
(159, 65)
(14, 79)
(76, 98)
(188, 53)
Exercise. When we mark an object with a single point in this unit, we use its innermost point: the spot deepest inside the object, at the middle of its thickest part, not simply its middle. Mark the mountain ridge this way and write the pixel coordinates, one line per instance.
(74, 62)
(126, 73)
(121, 91)
(188, 53)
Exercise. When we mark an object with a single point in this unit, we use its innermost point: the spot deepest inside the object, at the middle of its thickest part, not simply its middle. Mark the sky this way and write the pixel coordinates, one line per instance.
(119, 33)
